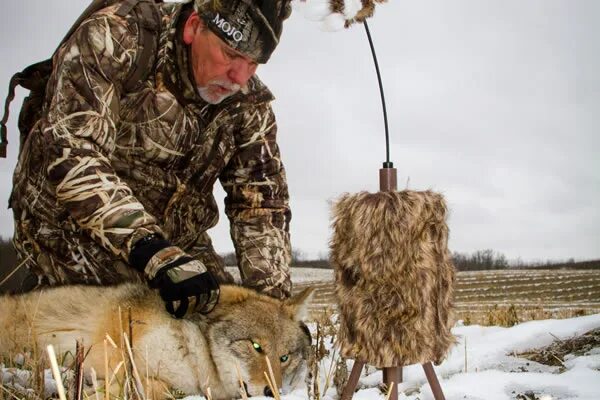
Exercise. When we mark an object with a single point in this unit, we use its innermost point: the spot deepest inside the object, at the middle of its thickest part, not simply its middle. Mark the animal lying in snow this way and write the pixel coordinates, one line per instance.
(187, 355)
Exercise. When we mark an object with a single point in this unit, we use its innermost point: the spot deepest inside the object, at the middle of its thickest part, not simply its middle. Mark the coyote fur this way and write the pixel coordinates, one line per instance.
(185, 356)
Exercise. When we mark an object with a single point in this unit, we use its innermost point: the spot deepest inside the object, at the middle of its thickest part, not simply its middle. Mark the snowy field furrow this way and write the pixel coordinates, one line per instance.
(540, 272)
(546, 305)
(499, 291)
(537, 286)
(545, 294)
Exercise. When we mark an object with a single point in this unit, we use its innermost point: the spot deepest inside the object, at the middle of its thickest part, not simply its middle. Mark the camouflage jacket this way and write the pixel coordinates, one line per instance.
(104, 168)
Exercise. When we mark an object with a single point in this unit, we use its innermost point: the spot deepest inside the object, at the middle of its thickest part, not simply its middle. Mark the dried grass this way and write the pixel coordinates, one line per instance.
(555, 353)
(271, 381)
(243, 392)
(510, 314)
(326, 334)
(56, 373)
(125, 376)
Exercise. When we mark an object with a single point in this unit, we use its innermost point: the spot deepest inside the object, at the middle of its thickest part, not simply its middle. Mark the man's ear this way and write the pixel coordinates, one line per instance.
(298, 305)
(193, 25)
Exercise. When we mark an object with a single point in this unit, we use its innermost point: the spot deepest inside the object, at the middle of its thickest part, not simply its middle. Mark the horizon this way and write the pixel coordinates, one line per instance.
(493, 104)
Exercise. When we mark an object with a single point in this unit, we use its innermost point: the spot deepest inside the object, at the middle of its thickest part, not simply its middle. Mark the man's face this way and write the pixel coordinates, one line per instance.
(219, 70)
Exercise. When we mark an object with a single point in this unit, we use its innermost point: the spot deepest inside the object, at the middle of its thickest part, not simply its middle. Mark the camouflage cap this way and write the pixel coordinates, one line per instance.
(252, 27)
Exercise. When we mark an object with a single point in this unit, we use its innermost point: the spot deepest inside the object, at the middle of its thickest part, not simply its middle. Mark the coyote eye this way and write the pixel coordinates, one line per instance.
(257, 346)
(284, 358)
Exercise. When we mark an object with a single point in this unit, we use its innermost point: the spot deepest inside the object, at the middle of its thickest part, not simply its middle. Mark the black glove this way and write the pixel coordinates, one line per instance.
(180, 279)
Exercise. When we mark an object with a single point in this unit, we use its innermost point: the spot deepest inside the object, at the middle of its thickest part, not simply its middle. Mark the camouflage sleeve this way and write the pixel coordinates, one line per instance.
(80, 129)
(257, 205)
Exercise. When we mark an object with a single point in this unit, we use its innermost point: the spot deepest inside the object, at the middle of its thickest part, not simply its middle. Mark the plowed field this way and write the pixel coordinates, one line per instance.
(484, 295)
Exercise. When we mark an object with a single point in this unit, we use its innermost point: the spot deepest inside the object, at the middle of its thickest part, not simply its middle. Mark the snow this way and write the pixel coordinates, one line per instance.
(21, 379)
(493, 371)
(299, 275)
(490, 369)
(483, 364)
(500, 385)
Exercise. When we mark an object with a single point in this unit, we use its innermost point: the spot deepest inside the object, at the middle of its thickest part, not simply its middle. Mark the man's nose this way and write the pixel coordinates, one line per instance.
(241, 71)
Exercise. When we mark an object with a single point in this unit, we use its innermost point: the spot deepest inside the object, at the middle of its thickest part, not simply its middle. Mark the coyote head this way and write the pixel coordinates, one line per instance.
(247, 328)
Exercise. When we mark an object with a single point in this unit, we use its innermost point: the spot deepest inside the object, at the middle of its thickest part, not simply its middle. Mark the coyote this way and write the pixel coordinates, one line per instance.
(185, 356)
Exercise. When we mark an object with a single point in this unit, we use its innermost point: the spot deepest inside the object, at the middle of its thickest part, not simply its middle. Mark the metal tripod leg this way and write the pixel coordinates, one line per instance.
(433, 382)
(352, 380)
(392, 375)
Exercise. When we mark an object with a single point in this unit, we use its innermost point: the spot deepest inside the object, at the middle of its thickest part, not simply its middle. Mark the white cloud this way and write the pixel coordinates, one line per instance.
(493, 103)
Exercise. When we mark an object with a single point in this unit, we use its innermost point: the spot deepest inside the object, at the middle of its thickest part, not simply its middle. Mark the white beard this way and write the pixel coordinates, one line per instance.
(213, 95)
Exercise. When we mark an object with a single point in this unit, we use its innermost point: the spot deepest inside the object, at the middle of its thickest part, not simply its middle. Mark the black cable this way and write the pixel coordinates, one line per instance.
(387, 163)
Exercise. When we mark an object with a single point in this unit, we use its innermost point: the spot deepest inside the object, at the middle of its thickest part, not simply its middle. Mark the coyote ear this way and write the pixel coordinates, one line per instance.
(231, 294)
(299, 304)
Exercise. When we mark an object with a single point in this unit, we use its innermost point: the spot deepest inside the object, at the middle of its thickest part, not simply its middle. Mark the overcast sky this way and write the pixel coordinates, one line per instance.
(495, 104)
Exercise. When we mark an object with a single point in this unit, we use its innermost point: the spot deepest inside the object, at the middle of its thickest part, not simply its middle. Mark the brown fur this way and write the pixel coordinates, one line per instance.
(189, 355)
(367, 10)
(394, 277)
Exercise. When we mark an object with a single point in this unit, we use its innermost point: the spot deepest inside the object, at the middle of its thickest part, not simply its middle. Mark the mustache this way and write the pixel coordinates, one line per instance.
(232, 87)
(226, 89)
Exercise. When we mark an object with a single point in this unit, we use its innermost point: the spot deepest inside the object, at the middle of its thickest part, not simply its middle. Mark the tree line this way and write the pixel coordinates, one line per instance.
(479, 260)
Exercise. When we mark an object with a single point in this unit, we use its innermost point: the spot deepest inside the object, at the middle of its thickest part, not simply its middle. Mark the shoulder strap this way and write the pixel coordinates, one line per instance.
(149, 26)
(21, 78)
(32, 78)
(14, 82)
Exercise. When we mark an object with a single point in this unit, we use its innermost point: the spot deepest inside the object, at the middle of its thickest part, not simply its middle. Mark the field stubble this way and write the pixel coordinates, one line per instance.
(503, 297)
(499, 297)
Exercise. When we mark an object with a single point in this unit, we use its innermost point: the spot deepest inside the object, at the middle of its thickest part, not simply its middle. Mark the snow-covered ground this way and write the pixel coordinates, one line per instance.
(493, 371)
(299, 275)
(483, 365)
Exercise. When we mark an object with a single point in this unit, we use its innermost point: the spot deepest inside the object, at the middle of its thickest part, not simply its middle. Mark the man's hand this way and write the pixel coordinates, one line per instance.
(181, 280)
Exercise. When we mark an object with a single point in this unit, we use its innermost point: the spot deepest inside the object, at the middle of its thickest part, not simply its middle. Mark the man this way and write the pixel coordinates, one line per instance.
(115, 184)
